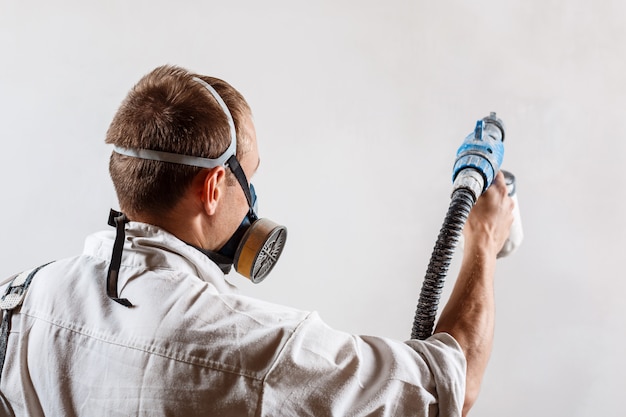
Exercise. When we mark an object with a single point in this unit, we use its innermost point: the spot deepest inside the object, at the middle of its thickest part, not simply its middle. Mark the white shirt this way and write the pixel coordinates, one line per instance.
(192, 346)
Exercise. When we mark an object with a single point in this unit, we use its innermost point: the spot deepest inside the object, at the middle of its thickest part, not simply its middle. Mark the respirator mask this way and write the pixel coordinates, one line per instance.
(257, 243)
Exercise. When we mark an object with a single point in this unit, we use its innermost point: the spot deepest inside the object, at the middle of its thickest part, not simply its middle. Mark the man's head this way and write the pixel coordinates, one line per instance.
(170, 111)
(174, 166)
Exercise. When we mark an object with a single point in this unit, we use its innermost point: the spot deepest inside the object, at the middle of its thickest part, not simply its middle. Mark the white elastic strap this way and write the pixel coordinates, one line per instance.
(195, 161)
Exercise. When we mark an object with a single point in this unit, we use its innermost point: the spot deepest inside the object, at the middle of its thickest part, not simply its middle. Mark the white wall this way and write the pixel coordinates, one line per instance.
(360, 107)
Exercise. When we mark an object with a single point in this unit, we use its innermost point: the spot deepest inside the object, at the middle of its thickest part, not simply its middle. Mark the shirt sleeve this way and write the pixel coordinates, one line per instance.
(324, 372)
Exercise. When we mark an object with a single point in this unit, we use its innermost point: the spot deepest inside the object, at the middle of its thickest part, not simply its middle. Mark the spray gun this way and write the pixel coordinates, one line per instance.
(477, 162)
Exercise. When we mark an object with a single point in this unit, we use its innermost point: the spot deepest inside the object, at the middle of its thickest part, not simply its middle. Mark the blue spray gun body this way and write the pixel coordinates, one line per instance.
(479, 157)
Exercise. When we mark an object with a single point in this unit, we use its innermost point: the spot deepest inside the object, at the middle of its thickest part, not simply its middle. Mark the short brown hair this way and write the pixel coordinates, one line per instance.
(168, 111)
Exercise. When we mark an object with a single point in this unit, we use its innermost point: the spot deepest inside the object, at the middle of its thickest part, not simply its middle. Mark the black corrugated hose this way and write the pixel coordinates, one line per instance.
(460, 205)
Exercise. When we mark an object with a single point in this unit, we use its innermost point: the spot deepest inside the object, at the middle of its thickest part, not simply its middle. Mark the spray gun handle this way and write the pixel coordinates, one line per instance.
(479, 157)
(495, 126)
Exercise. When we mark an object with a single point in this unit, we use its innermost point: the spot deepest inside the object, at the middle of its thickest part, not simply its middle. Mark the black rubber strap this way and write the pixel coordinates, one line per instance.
(236, 169)
(118, 220)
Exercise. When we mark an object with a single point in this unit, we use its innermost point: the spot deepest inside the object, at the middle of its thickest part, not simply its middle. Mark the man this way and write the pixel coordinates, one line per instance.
(144, 322)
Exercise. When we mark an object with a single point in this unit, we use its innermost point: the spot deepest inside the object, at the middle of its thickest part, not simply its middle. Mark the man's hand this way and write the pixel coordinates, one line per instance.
(490, 220)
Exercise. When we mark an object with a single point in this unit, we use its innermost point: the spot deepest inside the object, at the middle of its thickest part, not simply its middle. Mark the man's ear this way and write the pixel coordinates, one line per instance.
(214, 181)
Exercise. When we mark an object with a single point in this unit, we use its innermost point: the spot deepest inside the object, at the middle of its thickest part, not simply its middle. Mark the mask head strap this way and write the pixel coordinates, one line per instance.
(235, 167)
(195, 161)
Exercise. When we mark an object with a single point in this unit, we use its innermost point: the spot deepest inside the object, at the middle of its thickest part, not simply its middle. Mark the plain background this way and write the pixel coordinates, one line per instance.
(359, 108)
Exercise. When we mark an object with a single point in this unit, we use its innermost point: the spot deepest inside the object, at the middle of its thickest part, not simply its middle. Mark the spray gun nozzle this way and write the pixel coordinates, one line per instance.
(493, 120)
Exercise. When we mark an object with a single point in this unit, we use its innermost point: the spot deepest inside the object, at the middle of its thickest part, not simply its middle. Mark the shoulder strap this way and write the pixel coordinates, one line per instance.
(13, 297)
